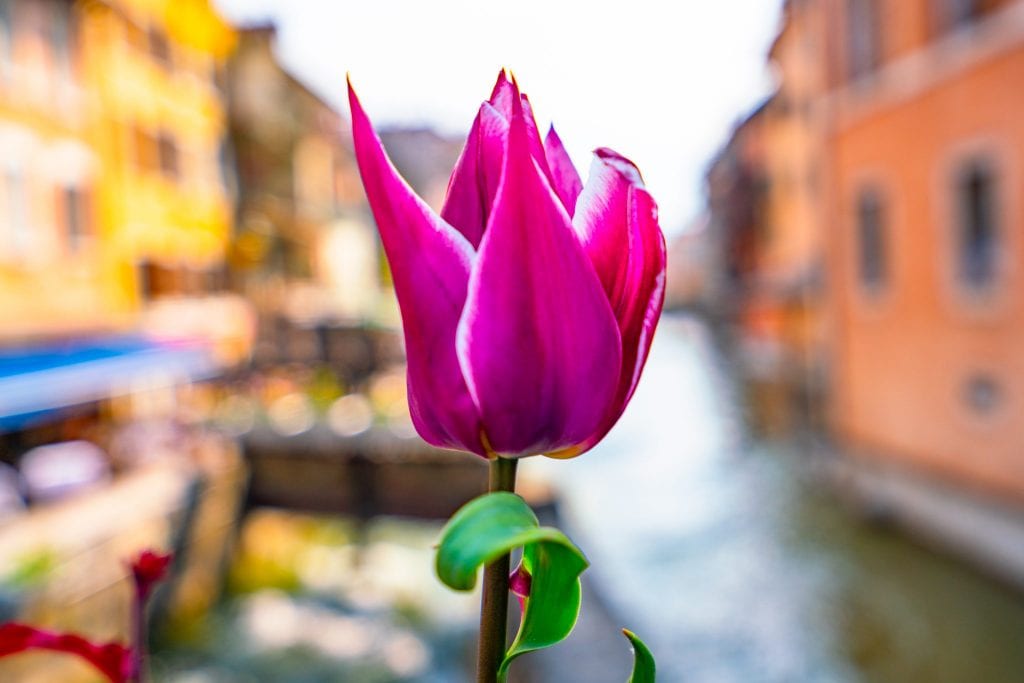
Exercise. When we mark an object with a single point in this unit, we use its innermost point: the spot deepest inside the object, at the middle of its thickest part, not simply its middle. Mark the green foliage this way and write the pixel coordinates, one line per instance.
(643, 660)
(32, 569)
(492, 525)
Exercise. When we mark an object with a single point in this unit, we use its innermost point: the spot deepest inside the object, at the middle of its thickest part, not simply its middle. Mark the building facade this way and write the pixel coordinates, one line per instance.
(111, 138)
(305, 248)
(924, 221)
(154, 75)
(892, 163)
(53, 268)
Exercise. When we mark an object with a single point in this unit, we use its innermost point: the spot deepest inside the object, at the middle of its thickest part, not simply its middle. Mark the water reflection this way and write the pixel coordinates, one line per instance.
(735, 568)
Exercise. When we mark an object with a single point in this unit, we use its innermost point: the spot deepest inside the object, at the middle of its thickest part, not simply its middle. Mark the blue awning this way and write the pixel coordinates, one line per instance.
(38, 380)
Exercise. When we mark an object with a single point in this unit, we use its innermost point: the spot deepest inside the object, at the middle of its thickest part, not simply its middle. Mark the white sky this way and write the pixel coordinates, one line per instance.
(661, 82)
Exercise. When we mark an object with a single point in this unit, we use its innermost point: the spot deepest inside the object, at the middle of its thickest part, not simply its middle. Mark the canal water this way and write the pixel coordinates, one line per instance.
(713, 545)
(735, 567)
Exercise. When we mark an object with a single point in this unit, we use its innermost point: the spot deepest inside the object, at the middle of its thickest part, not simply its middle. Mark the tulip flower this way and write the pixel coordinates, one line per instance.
(529, 303)
(112, 659)
(148, 569)
(119, 663)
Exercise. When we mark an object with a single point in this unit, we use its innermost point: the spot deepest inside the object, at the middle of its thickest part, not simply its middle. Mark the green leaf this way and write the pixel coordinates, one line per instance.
(491, 526)
(643, 660)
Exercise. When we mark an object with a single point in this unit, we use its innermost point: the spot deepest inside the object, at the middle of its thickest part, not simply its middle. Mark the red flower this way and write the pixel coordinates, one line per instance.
(148, 569)
(113, 659)
(119, 663)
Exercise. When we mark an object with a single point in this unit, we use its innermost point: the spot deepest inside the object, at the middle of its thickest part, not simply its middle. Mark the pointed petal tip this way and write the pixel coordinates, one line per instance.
(519, 346)
(504, 92)
(624, 166)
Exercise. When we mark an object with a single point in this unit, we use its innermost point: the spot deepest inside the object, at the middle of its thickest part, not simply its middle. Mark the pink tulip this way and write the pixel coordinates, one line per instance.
(530, 302)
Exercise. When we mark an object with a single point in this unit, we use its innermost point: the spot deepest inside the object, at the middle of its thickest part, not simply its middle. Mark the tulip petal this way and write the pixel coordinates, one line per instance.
(536, 145)
(645, 290)
(474, 181)
(564, 176)
(617, 222)
(503, 94)
(538, 343)
(430, 264)
(505, 97)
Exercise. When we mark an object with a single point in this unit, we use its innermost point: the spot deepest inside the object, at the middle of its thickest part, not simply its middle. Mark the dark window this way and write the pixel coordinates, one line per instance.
(75, 220)
(6, 34)
(983, 393)
(872, 263)
(978, 232)
(863, 37)
(169, 163)
(760, 220)
(60, 36)
(157, 280)
(159, 46)
(953, 13)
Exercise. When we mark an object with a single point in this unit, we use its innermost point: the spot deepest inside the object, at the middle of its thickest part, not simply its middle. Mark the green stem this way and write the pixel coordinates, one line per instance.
(139, 638)
(494, 603)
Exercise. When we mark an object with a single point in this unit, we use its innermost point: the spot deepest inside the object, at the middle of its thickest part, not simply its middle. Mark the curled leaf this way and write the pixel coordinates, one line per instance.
(643, 660)
(491, 526)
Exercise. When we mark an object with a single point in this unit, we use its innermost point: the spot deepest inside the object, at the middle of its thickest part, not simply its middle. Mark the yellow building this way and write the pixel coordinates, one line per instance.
(112, 125)
(51, 273)
(153, 71)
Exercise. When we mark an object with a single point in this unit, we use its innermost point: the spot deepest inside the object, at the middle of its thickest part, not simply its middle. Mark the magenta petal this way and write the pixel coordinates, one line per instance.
(430, 264)
(645, 289)
(536, 145)
(564, 176)
(504, 97)
(617, 221)
(474, 182)
(503, 94)
(538, 343)
(519, 584)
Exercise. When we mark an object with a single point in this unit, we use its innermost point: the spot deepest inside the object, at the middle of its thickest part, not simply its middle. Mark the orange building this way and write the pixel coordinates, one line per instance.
(885, 177)
(923, 215)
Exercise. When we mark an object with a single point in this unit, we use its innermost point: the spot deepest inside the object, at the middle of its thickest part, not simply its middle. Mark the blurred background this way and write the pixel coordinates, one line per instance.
(820, 478)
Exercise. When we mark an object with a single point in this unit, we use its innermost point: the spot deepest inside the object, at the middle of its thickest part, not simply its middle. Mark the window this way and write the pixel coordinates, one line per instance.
(863, 38)
(951, 14)
(872, 266)
(76, 224)
(168, 150)
(977, 230)
(982, 393)
(6, 35)
(157, 280)
(159, 46)
(60, 36)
